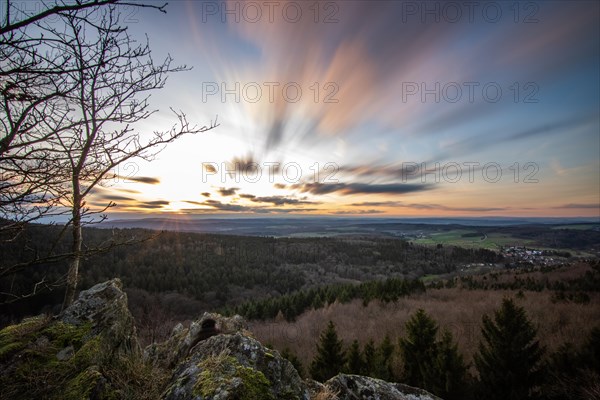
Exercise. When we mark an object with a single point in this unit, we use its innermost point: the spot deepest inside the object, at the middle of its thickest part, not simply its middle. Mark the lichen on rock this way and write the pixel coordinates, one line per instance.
(356, 387)
(91, 352)
(64, 357)
(235, 366)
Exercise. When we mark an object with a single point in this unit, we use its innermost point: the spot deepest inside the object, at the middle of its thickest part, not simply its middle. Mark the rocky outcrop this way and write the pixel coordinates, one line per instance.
(226, 363)
(104, 307)
(169, 353)
(63, 357)
(355, 387)
(90, 351)
(235, 366)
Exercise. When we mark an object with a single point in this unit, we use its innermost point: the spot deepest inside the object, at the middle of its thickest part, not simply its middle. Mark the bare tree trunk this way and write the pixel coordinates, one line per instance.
(73, 273)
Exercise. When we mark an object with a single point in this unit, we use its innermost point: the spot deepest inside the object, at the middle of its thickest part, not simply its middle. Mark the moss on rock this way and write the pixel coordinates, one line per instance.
(222, 373)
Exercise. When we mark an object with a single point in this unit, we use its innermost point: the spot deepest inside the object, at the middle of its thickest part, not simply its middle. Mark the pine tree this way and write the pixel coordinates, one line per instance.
(447, 378)
(418, 348)
(385, 353)
(509, 357)
(370, 358)
(331, 357)
(355, 363)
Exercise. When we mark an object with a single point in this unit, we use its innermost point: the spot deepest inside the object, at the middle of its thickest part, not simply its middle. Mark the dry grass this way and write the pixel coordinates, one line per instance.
(327, 394)
(458, 310)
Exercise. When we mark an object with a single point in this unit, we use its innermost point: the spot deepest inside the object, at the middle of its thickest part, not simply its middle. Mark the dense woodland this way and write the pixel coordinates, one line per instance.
(190, 272)
(510, 363)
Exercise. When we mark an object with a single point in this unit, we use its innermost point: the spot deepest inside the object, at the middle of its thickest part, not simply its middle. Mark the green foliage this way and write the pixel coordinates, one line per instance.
(418, 348)
(331, 357)
(575, 372)
(294, 304)
(221, 371)
(434, 365)
(447, 378)
(509, 357)
(355, 363)
(31, 349)
(221, 270)
(293, 358)
(370, 358)
(385, 356)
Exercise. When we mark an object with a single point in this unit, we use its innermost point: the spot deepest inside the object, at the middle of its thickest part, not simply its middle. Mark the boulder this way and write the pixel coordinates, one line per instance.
(356, 387)
(62, 357)
(235, 366)
(169, 353)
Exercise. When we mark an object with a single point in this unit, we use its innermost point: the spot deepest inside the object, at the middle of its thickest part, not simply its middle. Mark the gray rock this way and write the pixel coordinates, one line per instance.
(179, 345)
(65, 357)
(105, 306)
(355, 387)
(235, 366)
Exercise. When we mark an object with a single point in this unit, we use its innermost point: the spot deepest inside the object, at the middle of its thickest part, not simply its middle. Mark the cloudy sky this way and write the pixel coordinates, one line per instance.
(375, 108)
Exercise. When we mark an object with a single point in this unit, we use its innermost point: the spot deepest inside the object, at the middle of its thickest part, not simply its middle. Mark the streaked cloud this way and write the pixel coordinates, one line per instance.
(279, 200)
(579, 206)
(227, 191)
(359, 188)
(110, 197)
(143, 179)
(358, 212)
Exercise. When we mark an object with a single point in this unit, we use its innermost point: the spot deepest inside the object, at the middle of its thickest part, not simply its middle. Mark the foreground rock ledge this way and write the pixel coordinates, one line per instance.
(78, 354)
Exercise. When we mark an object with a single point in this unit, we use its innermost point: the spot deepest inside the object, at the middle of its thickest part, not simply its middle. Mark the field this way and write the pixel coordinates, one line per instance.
(474, 239)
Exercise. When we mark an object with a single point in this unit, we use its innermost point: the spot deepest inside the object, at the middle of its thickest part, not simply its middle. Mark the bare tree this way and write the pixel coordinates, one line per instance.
(114, 75)
(34, 82)
(71, 95)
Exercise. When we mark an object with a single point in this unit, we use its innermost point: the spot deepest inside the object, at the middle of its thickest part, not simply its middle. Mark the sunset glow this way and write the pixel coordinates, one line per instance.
(373, 108)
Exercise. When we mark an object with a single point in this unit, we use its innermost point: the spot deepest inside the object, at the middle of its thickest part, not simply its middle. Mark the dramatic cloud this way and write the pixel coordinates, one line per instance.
(217, 205)
(279, 200)
(143, 179)
(109, 197)
(225, 206)
(129, 191)
(227, 192)
(209, 168)
(358, 188)
(470, 145)
(377, 204)
(247, 196)
(150, 205)
(205, 194)
(357, 212)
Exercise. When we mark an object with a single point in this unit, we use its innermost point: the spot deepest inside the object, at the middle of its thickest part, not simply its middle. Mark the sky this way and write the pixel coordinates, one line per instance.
(372, 108)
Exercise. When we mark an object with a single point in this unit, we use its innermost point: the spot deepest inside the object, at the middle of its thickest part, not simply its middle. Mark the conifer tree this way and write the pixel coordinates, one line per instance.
(385, 353)
(418, 348)
(331, 357)
(370, 358)
(355, 363)
(447, 378)
(509, 356)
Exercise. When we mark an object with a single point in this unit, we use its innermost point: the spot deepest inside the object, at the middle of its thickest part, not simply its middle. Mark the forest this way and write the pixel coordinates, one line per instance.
(191, 272)
(404, 312)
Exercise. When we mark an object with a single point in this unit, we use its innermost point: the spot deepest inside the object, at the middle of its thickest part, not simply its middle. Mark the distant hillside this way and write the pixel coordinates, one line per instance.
(193, 271)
